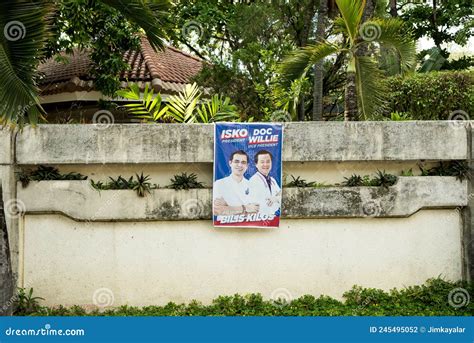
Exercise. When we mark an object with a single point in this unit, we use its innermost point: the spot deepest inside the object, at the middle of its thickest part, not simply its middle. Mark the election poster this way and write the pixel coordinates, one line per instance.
(247, 175)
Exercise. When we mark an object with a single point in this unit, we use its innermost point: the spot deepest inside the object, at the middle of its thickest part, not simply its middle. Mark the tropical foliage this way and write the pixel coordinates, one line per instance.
(35, 30)
(445, 22)
(186, 107)
(336, 54)
(46, 173)
(185, 181)
(26, 26)
(451, 95)
(243, 42)
(363, 75)
(141, 184)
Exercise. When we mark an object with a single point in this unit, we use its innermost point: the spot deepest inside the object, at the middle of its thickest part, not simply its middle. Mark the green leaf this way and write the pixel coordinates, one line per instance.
(25, 30)
(396, 39)
(297, 64)
(371, 90)
(151, 15)
(351, 13)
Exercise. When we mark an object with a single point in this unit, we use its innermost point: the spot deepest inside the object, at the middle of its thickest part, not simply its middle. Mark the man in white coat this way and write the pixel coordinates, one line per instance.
(264, 190)
(232, 193)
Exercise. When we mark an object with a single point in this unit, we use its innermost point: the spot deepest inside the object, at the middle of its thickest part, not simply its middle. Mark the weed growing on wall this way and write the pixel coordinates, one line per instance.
(459, 169)
(139, 183)
(46, 173)
(185, 181)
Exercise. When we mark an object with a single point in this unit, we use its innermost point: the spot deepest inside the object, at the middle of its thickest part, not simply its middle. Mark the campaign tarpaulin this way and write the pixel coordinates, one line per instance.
(247, 175)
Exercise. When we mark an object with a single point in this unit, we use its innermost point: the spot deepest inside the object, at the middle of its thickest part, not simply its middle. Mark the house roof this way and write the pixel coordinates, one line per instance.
(167, 71)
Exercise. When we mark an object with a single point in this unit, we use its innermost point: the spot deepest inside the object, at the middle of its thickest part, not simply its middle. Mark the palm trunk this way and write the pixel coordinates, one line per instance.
(436, 38)
(6, 276)
(318, 67)
(350, 98)
(302, 36)
(301, 111)
(351, 101)
(393, 8)
(368, 10)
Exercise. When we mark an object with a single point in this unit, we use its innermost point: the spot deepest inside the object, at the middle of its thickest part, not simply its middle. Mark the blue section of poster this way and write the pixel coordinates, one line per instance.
(247, 175)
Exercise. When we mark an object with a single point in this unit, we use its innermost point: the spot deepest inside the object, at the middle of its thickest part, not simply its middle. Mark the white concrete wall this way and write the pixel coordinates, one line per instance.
(156, 262)
(153, 262)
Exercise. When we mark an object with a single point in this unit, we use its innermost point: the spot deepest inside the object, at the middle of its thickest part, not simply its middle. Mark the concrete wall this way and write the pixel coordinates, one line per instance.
(72, 242)
(79, 201)
(176, 143)
(156, 262)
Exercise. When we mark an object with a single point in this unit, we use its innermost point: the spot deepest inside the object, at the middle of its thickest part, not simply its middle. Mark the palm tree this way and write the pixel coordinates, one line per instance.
(26, 28)
(318, 67)
(364, 90)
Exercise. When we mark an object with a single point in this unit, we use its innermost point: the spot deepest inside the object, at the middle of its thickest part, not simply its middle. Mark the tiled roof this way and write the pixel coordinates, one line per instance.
(167, 71)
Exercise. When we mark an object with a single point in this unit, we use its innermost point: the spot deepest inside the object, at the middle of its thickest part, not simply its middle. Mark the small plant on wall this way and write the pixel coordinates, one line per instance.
(353, 181)
(185, 181)
(459, 169)
(299, 182)
(25, 303)
(383, 179)
(46, 173)
(141, 184)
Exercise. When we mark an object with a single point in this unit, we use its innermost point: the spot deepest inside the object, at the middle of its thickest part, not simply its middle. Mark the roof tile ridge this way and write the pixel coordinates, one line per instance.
(148, 54)
(184, 53)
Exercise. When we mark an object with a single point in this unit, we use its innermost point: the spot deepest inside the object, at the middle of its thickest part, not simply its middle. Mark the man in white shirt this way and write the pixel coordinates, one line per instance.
(232, 193)
(264, 189)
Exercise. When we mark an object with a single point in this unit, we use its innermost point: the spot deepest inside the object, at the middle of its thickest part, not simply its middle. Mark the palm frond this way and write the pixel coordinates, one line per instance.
(398, 40)
(26, 27)
(371, 90)
(351, 13)
(183, 105)
(151, 15)
(297, 64)
(339, 26)
(217, 109)
(132, 92)
(149, 108)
